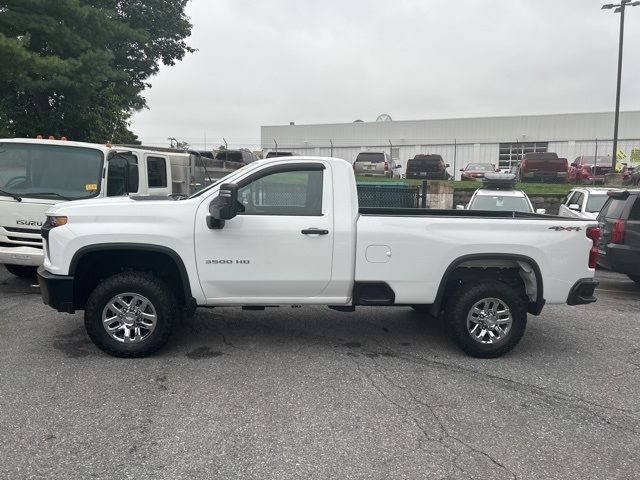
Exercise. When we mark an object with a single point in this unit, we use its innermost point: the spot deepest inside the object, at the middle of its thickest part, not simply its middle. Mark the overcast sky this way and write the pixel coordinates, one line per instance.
(271, 62)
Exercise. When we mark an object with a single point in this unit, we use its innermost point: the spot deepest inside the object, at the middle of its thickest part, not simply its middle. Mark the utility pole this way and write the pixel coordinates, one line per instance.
(619, 8)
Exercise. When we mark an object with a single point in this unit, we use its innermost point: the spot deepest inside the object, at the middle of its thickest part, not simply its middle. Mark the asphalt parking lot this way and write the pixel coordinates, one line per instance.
(313, 393)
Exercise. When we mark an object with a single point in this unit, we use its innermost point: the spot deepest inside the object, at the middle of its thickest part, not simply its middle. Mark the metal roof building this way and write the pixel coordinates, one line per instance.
(497, 140)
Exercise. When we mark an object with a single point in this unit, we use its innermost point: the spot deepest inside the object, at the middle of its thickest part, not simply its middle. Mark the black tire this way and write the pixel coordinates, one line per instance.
(635, 278)
(22, 271)
(421, 308)
(462, 301)
(160, 297)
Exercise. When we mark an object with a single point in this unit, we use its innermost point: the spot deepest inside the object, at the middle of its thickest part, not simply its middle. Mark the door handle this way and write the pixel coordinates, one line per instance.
(314, 231)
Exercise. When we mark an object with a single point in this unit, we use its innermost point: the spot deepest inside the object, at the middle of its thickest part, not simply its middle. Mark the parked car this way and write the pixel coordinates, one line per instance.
(240, 156)
(476, 171)
(427, 167)
(376, 164)
(584, 203)
(499, 194)
(135, 264)
(619, 244)
(273, 154)
(543, 167)
(590, 169)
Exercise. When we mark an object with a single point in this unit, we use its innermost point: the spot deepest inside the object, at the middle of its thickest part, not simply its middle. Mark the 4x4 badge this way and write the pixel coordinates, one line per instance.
(566, 229)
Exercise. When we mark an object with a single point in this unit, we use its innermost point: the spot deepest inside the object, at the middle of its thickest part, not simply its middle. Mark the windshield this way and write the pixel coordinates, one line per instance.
(50, 171)
(496, 202)
(484, 167)
(370, 157)
(604, 160)
(228, 178)
(426, 164)
(595, 203)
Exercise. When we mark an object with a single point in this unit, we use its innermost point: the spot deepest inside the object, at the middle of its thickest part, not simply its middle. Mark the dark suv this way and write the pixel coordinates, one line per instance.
(619, 244)
(427, 167)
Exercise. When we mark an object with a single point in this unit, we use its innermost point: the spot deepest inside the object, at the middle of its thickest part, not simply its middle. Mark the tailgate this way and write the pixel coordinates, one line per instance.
(559, 165)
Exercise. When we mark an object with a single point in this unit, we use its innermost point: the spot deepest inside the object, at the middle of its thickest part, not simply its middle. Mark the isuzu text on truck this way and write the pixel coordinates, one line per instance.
(289, 232)
(36, 174)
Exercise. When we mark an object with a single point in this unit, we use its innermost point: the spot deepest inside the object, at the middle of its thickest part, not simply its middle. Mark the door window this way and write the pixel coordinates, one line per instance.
(157, 172)
(296, 192)
(578, 198)
(613, 208)
(635, 210)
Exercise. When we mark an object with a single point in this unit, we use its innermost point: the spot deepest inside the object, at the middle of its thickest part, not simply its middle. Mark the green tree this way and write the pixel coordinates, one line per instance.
(79, 67)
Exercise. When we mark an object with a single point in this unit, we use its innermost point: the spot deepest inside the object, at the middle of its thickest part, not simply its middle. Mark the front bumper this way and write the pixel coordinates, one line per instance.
(582, 292)
(56, 290)
(20, 255)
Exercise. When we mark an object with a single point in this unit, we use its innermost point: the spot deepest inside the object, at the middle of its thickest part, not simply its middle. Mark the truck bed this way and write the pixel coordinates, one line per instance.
(427, 212)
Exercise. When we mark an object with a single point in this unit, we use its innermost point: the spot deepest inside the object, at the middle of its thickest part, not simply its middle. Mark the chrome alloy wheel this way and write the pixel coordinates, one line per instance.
(129, 318)
(489, 320)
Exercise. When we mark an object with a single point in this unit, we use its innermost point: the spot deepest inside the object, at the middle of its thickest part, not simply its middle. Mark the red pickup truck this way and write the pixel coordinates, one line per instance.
(543, 167)
(592, 169)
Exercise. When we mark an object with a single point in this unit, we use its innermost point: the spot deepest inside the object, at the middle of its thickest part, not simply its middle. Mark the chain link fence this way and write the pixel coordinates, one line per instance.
(391, 196)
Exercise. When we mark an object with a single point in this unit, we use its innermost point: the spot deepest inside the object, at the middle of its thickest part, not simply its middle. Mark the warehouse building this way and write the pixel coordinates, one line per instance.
(498, 140)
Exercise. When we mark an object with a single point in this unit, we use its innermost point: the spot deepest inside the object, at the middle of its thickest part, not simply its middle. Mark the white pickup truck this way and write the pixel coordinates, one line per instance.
(289, 232)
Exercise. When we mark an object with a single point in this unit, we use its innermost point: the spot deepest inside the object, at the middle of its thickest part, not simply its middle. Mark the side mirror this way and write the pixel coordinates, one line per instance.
(398, 166)
(462, 169)
(574, 165)
(574, 206)
(132, 178)
(459, 207)
(447, 166)
(224, 206)
(541, 211)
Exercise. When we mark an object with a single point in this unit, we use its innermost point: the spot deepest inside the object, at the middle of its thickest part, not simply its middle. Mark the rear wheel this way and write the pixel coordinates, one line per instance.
(635, 278)
(130, 314)
(22, 271)
(486, 319)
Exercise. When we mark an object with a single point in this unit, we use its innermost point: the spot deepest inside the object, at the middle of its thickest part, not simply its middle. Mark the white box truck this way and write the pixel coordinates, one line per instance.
(37, 173)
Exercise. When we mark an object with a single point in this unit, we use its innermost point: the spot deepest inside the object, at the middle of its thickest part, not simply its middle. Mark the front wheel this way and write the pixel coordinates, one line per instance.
(22, 271)
(486, 319)
(130, 314)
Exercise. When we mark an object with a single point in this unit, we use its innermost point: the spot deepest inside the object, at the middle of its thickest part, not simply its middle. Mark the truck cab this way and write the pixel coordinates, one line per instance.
(36, 174)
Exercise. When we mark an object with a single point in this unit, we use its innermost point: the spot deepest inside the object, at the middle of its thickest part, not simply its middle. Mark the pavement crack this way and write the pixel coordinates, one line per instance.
(544, 392)
(445, 438)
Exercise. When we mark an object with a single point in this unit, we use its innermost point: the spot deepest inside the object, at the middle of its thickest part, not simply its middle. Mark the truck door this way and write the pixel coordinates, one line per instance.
(279, 247)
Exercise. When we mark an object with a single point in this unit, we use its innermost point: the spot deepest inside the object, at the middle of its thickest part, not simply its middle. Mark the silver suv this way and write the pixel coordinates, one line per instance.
(377, 164)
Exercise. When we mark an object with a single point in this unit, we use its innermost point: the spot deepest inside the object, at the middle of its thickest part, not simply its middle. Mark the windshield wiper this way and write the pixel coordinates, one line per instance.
(16, 197)
(50, 193)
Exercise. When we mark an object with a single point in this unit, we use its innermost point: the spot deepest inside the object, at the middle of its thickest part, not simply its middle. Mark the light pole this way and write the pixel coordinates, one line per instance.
(619, 8)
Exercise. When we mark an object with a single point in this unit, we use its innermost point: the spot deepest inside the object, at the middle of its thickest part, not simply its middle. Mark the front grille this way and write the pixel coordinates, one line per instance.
(22, 230)
(13, 245)
(602, 170)
(23, 239)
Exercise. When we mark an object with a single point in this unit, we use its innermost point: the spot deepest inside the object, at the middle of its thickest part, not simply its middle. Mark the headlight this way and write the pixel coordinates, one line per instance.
(52, 222)
(57, 221)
